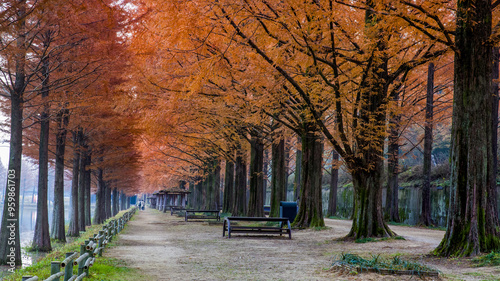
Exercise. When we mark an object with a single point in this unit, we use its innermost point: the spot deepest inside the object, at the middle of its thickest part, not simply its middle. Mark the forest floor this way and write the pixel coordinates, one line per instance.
(167, 248)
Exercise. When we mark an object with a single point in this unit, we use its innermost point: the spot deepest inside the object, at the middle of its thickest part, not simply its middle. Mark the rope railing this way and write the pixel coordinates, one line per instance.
(91, 249)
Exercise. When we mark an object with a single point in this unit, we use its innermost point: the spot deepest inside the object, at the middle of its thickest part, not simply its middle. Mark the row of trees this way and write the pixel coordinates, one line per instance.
(175, 91)
(226, 78)
(62, 65)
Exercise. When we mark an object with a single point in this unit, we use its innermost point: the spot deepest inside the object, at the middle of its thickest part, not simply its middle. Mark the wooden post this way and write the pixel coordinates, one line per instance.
(68, 269)
(55, 267)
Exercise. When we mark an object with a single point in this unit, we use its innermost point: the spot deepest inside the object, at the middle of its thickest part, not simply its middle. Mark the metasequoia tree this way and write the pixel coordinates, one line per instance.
(425, 216)
(472, 223)
(377, 74)
(16, 80)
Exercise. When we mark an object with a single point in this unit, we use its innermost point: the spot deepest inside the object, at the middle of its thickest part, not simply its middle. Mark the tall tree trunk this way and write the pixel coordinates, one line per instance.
(107, 200)
(392, 195)
(425, 215)
(256, 202)
(228, 187)
(124, 201)
(116, 206)
(81, 184)
(266, 173)
(494, 124)
(10, 218)
(198, 190)
(334, 179)
(99, 211)
(74, 224)
(278, 180)
(472, 225)
(58, 224)
(310, 204)
(217, 186)
(41, 237)
(298, 169)
(240, 191)
(87, 175)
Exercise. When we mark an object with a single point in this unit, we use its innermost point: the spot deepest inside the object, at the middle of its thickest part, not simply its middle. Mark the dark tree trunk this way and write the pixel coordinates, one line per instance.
(58, 224)
(298, 170)
(368, 219)
(87, 175)
(116, 206)
(256, 202)
(81, 184)
(392, 195)
(74, 224)
(334, 179)
(198, 190)
(99, 211)
(12, 189)
(124, 201)
(218, 205)
(266, 174)
(212, 183)
(240, 191)
(310, 204)
(472, 225)
(425, 215)
(494, 124)
(228, 187)
(107, 200)
(278, 180)
(205, 189)
(41, 237)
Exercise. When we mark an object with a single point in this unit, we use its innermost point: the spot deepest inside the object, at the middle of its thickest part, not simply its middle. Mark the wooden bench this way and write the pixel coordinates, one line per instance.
(283, 228)
(207, 214)
(176, 209)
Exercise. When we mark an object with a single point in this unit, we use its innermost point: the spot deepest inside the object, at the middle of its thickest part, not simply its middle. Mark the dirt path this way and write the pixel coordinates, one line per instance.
(167, 248)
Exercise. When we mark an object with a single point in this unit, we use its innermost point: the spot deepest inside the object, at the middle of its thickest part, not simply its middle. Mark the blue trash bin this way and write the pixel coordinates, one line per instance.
(288, 210)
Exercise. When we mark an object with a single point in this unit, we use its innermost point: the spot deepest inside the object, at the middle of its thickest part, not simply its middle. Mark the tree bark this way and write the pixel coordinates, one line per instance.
(334, 179)
(298, 170)
(240, 191)
(87, 186)
(310, 204)
(472, 224)
(278, 181)
(116, 206)
(425, 215)
(266, 175)
(107, 200)
(58, 224)
(256, 202)
(218, 205)
(41, 237)
(99, 211)
(494, 124)
(392, 195)
(12, 189)
(228, 187)
(74, 224)
(81, 183)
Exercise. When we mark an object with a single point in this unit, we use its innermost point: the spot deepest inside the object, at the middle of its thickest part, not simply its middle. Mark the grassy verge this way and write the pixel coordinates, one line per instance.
(379, 263)
(491, 259)
(103, 269)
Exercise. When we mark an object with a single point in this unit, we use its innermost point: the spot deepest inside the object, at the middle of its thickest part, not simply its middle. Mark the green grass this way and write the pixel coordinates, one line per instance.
(491, 259)
(370, 239)
(103, 268)
(378, 262)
